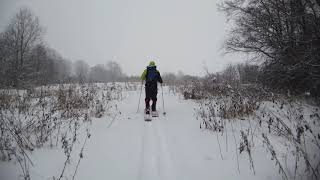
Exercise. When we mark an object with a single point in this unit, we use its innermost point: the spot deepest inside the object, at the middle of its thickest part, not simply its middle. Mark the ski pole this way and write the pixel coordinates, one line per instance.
(164, 112)
(140, 96)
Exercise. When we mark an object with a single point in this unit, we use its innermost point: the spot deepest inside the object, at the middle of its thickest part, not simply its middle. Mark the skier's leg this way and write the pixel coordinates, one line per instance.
(154, 104)
(147, 99)
(154, 100)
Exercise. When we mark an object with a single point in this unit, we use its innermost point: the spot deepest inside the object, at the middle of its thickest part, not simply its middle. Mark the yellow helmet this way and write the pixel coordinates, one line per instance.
(152, 63)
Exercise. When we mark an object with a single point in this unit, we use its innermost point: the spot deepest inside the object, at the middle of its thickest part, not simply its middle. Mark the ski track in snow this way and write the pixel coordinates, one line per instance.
(155, 157)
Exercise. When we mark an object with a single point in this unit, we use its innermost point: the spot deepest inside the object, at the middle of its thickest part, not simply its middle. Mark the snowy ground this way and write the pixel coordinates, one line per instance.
(124, 146)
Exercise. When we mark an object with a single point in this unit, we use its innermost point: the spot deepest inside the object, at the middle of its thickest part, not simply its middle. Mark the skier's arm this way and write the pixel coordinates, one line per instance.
(143, 75)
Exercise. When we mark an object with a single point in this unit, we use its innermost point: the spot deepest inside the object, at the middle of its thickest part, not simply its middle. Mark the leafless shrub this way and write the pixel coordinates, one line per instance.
(299, 127)
(288, 119)
(245, 146)
(274, 156)
(44, 116)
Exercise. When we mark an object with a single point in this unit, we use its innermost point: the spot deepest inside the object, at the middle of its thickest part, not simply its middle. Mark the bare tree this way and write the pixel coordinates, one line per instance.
(284, 34)
(248, 73)
(98, 73)
(231, 75)
(40, 66)
(114, 71)
(22, 34)
(3, 61)
(169, 78)
(81, 71)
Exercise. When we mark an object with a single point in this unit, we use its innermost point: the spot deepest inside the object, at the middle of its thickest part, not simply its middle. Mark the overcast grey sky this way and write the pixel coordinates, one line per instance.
(181, 35)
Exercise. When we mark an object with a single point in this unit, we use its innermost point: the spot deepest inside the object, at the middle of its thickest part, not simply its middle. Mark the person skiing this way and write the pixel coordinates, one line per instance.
(152, 76)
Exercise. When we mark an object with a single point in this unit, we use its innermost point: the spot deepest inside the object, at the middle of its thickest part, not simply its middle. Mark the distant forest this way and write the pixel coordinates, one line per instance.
(27, 61)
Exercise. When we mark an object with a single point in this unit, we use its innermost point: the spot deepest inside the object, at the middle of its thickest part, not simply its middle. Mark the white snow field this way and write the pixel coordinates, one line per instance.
(123, 146)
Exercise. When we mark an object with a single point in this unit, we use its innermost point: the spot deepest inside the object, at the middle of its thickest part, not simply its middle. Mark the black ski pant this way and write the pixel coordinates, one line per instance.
(151, 94)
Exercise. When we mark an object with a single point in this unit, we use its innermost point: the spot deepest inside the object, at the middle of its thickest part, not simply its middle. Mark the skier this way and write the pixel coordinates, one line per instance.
(152, 76)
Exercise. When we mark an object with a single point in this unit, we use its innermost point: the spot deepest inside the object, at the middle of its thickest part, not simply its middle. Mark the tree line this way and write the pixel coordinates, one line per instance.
(27, 61)
(285, 34)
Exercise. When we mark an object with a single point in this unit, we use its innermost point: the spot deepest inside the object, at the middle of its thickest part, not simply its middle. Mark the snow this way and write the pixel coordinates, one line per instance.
(123, 146)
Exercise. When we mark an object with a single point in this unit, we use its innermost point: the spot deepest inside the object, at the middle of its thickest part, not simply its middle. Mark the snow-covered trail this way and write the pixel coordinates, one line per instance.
(171, 147)
(127, 147)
